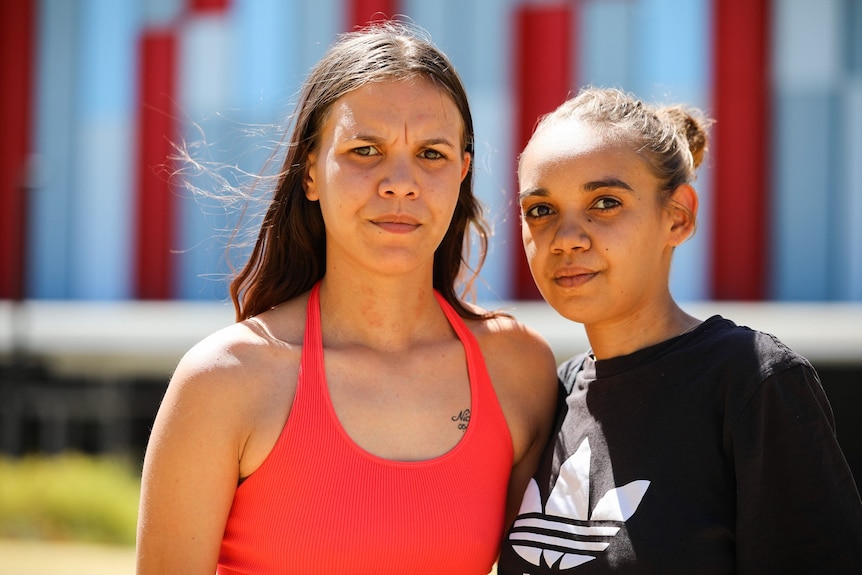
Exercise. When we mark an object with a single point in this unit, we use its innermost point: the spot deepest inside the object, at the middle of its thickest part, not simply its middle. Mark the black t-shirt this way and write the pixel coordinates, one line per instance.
(712, 452)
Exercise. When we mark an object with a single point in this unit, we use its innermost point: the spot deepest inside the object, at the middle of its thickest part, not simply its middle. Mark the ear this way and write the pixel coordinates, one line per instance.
(682, 207)
(309, 184)
(465, 165)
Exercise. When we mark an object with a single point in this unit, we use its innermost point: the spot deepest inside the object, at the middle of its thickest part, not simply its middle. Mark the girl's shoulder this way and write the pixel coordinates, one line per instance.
(511, 339)
(519, 359)
(726, 338)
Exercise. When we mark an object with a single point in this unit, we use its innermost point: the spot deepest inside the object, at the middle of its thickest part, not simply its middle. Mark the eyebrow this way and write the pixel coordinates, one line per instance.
(541, 192)
(608, 183)
(588, 187)
(378, 140)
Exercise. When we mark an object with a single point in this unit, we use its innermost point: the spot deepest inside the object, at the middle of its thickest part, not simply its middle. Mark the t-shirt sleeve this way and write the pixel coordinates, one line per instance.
(798, 507)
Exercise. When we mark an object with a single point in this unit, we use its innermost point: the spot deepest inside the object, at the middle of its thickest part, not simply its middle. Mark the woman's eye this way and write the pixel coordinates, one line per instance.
(431, 154)
(538, 211)
(366, 151)
(607, 204)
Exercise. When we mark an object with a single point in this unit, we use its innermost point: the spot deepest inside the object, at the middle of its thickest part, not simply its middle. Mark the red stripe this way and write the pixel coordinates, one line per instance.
(543, 79)
(361, 12)
(203, 6)
(740, 149)
(157, 128)
(17, 35)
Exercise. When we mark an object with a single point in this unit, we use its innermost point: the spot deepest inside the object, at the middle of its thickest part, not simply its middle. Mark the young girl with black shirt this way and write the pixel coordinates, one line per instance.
(680, 446)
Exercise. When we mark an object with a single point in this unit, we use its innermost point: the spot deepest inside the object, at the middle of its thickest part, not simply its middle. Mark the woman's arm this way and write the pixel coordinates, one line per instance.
(191, 468)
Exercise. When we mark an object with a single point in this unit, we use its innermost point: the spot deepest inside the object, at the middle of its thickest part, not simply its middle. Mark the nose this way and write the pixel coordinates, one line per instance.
(399, 177)
(571, 234)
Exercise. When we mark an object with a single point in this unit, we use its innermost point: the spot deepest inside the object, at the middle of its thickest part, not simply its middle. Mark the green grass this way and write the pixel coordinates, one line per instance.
(69, 497)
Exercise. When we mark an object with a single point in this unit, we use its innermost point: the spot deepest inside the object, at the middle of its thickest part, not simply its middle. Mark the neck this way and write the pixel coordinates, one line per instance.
(388, 314)
(646, 327)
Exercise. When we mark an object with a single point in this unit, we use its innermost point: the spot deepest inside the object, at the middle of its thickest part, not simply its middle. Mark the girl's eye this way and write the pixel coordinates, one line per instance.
(366, 151)
(538, 211)
(607, 204)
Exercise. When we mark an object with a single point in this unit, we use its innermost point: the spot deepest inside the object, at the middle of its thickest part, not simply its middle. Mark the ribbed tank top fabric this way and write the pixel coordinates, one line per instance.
(321, 504)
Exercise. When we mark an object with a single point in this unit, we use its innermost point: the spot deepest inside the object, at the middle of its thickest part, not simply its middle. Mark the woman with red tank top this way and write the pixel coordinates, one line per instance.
(359, 417)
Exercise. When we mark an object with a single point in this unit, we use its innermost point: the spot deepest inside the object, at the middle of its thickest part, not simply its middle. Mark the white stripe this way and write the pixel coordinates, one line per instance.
(559, 542)
(597, 530)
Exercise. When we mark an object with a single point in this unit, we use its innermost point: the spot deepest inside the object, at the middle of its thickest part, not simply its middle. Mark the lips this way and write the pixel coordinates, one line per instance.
(396, 223)
(573, 276)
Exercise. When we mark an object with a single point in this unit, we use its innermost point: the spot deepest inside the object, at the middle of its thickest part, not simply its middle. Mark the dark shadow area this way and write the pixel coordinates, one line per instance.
(843, 386)
(42, 412)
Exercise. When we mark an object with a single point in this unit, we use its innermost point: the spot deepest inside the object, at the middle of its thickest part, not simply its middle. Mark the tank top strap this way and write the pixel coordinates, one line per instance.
(312, 342)
(457, 322)
(480, 381)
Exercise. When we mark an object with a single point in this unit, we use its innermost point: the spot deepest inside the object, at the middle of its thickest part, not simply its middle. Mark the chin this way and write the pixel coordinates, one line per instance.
(571, 308)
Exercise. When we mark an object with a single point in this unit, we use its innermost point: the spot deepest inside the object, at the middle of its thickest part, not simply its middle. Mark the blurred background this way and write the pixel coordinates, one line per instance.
(110, 268)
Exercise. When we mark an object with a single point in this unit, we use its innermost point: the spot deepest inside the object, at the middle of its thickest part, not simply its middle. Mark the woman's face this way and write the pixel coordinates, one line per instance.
(597, 238)
(387, 174)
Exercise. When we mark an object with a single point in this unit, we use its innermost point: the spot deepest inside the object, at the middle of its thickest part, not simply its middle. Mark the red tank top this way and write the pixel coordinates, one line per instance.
(321, 504)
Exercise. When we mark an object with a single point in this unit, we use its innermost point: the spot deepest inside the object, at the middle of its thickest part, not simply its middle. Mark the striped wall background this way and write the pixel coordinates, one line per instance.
(94, 93)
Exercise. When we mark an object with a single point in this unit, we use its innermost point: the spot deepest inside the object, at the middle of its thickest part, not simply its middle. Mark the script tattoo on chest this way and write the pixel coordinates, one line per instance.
(463, 419)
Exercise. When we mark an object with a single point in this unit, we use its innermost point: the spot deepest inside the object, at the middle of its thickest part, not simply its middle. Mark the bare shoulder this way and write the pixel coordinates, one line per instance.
(520, 361)
(243, 378)
(506, 340)
(224, 374)
(244, 351)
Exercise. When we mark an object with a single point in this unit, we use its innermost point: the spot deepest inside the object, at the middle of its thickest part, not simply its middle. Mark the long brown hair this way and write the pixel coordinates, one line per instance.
(289, 255)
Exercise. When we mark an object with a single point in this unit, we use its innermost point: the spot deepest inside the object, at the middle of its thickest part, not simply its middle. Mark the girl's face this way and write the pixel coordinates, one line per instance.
(597, 237)
(387, 174)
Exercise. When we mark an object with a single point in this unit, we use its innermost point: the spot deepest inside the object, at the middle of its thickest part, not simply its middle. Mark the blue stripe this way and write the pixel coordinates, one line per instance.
(804, 146)
(605, 44)
(207, 73)
(266, 50)
(101, 212)
(849, 203)
(49, 243)
(809, 242)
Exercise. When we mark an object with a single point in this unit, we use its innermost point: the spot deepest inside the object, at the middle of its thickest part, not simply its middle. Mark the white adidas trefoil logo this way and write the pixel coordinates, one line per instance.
(536, 536)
